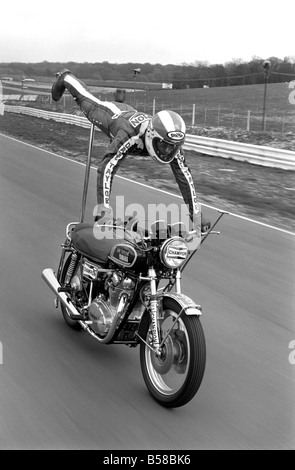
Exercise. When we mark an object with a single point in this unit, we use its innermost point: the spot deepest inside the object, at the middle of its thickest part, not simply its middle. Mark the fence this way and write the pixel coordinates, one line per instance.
(193, 115)
(204, 116)
(276, 120)
(30, 98)
(256, 154)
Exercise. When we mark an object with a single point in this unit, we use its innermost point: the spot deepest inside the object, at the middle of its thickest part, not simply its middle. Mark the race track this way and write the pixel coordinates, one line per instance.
(60, 389)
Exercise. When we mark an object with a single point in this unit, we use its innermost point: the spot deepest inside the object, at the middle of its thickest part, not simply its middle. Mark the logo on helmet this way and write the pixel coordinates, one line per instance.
(176, 135)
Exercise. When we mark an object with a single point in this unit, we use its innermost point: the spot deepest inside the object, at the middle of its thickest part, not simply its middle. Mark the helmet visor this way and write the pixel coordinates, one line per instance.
(165, 151)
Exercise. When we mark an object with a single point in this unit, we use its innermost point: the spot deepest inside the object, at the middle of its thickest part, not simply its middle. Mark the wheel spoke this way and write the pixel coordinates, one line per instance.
(168, 372)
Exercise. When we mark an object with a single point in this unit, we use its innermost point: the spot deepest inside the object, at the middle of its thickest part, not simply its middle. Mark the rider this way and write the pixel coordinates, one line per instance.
(160, 136)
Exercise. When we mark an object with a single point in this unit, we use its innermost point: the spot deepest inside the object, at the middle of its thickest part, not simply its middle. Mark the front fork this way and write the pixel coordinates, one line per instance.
(154, 306)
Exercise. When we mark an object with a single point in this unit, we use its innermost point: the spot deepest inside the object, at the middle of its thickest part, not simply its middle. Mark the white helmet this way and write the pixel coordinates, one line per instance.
(164, 136)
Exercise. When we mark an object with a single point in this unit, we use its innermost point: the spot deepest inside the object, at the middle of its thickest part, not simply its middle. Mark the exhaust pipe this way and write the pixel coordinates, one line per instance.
(50, 279)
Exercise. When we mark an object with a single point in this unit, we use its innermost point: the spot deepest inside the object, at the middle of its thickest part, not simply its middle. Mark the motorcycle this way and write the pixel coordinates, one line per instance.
(111, 287)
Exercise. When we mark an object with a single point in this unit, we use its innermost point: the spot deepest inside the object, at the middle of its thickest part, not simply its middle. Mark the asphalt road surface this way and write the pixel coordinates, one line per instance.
(60, 389)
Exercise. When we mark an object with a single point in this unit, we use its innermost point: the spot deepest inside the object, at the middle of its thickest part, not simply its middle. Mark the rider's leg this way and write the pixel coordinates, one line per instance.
(98, 112)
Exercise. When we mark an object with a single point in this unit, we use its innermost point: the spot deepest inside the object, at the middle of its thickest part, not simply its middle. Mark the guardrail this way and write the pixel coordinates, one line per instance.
(256, 154)
(59, 117)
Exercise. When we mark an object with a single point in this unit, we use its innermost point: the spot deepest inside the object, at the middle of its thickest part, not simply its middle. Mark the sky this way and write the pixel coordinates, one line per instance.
(140, 31)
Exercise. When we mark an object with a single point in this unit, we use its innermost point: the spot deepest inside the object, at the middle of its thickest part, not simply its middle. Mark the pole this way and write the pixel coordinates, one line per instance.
(135, 72)
(87, 171)
(283, 125)
(248, 119)
(193, 116)
(264, 104)
(266, 65)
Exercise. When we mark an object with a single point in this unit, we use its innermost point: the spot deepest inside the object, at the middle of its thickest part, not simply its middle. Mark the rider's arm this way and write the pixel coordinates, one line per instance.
(185, 183)
(109, 165)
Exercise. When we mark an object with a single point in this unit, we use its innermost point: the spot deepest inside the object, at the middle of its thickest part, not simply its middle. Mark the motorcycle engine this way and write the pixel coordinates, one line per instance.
(101, 316)
(104, 308)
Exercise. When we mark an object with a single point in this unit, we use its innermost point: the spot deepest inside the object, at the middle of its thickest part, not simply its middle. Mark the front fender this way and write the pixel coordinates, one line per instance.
(185, 302)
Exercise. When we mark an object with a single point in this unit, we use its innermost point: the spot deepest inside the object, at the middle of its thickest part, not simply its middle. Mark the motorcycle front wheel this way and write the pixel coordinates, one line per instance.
(174, 377)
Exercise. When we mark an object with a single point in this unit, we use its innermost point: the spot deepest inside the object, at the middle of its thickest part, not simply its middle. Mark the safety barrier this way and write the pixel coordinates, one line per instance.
(59, 117)
(6, 98)
(256, 154)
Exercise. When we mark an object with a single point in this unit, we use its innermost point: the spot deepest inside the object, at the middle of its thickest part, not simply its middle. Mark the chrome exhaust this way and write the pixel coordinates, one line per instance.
(50, 279)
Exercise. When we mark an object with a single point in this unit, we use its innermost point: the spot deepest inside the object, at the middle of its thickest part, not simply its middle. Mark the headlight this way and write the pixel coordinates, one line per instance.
(173, 252)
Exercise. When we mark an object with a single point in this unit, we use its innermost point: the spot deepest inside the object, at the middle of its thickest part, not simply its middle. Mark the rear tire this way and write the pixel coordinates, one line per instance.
(74, 324)
(174, 378)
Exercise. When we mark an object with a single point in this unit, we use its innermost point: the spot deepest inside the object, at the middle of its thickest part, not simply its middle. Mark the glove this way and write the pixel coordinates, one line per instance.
(198, 220)
(104, 216)
(205, 224)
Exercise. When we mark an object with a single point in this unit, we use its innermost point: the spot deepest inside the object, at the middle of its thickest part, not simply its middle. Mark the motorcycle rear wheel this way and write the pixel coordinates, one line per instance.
(74, 324)
(174, 378)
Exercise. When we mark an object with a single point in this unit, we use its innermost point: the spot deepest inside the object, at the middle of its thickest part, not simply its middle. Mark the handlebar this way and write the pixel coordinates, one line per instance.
(144, 235)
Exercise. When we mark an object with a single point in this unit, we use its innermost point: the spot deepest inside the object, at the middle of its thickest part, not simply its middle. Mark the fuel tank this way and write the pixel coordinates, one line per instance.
(102, 249)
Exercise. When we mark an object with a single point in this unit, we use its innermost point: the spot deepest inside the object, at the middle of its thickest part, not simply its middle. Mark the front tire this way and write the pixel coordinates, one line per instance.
(174, 378)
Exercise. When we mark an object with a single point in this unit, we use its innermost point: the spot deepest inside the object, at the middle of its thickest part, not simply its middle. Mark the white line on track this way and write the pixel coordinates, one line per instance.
(151, 187)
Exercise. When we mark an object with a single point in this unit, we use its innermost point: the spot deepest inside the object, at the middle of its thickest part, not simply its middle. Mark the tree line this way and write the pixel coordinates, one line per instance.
(193, 75)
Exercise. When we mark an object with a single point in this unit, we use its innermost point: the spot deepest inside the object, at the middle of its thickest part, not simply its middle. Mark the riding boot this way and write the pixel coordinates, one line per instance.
(58, 87)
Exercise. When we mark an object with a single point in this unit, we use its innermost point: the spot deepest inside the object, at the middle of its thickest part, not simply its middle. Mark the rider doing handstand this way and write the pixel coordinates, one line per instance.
(131, 132)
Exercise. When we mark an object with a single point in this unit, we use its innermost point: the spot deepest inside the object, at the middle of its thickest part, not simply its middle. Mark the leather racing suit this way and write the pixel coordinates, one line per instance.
(125, 127)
